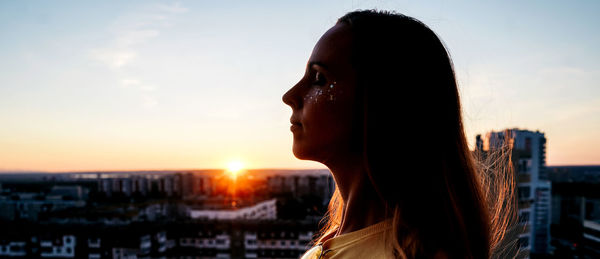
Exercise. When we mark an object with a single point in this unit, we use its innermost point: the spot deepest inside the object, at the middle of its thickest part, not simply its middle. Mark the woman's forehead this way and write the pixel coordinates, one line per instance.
(333, 48)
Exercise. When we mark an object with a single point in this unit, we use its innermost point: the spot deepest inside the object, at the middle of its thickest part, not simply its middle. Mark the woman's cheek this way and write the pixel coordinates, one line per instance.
(324, 95)
(323, 111)
(314, 96)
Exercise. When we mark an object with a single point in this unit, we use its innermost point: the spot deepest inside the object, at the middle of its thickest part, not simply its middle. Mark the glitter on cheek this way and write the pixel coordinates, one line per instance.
(318, 95)
(332, 96)
(312, 96)
(327, 94)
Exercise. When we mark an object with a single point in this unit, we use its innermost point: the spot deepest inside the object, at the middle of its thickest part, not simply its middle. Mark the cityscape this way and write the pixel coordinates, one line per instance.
(192, 214)
(260, 213)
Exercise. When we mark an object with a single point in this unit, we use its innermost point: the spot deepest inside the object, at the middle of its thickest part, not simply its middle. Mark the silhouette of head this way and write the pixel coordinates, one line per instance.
(374, 81)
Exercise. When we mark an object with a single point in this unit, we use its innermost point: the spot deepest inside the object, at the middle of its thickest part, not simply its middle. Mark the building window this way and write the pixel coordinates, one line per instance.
(524, 192)
(523, 242)
(524, 217)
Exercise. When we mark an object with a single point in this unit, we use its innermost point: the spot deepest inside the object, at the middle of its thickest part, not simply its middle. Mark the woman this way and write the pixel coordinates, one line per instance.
(379, 106)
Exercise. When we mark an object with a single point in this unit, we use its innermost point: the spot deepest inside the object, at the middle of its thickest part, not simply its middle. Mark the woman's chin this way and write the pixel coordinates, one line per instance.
(302, 153)
(298, 153)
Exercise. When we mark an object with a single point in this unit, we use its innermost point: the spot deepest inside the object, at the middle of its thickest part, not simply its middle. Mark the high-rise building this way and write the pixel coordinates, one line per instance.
(534, 189)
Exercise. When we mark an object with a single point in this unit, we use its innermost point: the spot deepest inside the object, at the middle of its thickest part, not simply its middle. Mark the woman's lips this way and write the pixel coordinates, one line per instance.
(295, 127)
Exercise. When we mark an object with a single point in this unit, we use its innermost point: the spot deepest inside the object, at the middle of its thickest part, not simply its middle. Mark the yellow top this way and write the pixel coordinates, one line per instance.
(365, 243)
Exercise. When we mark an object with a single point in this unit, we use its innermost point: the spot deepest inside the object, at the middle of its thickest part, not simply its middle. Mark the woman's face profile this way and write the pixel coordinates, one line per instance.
(323, 100)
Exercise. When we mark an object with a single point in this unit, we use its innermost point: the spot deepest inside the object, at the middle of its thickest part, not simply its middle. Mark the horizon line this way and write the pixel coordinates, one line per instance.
(151, 170)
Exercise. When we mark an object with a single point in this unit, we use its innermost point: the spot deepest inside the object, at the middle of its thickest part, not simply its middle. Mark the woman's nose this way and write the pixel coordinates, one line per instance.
(290, 98)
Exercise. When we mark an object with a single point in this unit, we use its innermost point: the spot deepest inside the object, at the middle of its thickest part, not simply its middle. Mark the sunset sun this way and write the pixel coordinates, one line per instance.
(234, 168)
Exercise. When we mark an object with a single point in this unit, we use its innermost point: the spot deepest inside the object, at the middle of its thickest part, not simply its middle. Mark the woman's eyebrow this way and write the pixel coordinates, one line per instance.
(317, 63)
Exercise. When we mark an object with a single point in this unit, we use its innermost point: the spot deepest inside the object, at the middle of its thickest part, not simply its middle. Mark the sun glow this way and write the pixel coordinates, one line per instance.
(234, 168)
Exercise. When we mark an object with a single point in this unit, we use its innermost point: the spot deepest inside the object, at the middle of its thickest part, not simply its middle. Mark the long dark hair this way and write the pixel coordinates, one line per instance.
(413, 141)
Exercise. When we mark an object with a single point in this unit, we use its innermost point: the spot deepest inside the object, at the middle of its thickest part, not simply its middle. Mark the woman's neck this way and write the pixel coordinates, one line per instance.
(362, 205)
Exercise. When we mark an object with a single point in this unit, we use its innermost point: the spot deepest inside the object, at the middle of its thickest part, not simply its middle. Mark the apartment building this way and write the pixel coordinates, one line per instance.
(533, 187)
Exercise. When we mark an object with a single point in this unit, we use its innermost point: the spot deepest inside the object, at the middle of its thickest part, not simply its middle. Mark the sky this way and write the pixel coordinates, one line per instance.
(142, 85)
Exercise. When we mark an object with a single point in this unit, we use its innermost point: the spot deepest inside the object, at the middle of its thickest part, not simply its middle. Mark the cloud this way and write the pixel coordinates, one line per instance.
(133, 30)
(130, 38)
(132, 82)
(128, 33)
(114, 58)
(121, 51)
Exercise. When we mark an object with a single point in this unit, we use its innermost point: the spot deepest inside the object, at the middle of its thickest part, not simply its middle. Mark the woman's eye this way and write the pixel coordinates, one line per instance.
(319, 79)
